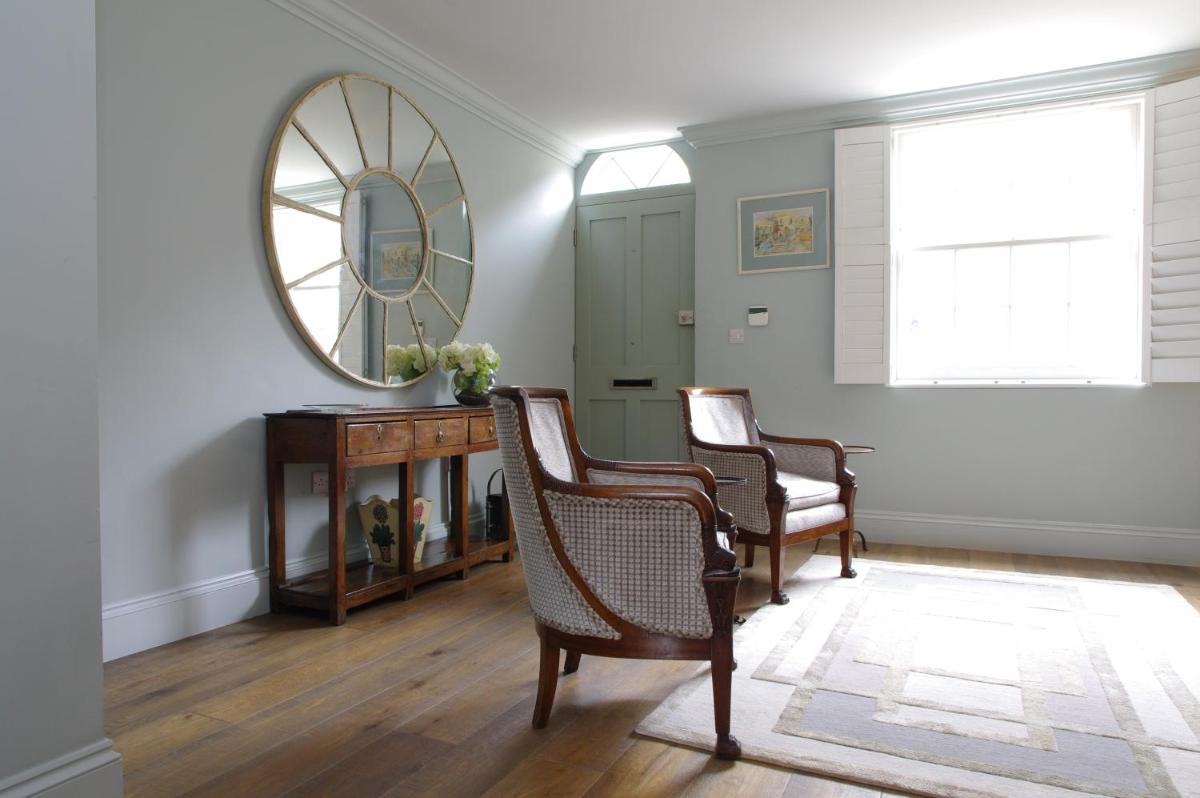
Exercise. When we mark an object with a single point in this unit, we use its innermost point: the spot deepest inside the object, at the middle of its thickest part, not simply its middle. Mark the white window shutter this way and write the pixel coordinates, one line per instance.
(1173, 235)
(860, 255)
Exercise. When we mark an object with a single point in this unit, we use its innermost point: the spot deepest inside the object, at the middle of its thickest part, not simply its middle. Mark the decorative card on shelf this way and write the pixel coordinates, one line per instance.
(783, 232)
(395, 259)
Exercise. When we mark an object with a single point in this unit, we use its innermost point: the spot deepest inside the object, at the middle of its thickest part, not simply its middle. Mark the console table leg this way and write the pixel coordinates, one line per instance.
(406, 523)
(276, 541)
(460, 489)
(337, 542)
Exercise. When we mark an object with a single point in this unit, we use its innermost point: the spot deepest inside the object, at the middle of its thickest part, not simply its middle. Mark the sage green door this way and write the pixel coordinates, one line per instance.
(634, 273)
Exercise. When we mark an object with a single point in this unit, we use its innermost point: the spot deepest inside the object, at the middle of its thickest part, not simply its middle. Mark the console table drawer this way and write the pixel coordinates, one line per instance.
(433, 434)
(390, 436)
(483, 429)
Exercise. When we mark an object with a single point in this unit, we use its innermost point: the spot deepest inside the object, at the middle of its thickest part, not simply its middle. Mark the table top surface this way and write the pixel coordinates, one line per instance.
(856, 448)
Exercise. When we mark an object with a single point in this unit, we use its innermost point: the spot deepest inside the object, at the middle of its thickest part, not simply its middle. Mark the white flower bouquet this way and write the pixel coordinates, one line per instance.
(409, 362)
(474, 367)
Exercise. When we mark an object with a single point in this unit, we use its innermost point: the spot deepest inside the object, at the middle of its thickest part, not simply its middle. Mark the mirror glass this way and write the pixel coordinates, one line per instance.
(367, 226)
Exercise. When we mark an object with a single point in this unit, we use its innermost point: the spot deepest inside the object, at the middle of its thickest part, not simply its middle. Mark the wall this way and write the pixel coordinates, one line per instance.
(1102, 472)
(194, 341)
(51, 691)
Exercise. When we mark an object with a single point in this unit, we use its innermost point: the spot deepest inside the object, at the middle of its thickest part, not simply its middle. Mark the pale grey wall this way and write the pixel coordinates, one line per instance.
(1085, 455)
(195, 343)
(51, 689)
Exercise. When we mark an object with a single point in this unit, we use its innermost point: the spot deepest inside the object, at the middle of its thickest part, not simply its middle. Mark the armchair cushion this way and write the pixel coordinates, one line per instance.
(643, 558)
(723, 419)
(548, 429)
(813, 517)
(803, 492)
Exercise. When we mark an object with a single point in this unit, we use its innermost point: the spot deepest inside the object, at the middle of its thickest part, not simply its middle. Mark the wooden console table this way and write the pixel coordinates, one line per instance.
(371, 437)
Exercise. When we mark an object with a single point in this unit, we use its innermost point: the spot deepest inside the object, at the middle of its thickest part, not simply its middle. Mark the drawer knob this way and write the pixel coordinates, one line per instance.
(491, 429)
(441, 433)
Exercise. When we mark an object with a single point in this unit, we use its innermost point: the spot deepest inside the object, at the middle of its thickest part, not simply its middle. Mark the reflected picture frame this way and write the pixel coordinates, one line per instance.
(783, 232)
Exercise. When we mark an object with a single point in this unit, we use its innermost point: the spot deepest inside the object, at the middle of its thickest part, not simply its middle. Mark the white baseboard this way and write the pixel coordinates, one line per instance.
(1056, 538)
(144, 622)
(93, 771)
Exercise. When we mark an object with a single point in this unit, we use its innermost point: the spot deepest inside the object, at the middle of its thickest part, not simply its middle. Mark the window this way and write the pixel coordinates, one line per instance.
(1016, 248)
(641, 167)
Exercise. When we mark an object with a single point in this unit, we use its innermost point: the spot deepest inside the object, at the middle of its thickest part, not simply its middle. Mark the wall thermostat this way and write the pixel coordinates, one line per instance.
(756, 316)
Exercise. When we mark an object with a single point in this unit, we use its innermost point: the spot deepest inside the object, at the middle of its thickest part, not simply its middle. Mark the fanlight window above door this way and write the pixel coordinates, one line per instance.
(640, 167)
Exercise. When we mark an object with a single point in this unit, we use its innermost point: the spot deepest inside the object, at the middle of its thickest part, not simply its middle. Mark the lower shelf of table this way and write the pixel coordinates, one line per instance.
(366, 582)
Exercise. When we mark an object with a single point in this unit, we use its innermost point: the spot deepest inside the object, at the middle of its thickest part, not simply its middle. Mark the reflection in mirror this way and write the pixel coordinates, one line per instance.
(369, 101)
(450, 281)
(436, 326)
(411, 137)
(330, 304)
(325, 119)
(383, 235)
(368, 229)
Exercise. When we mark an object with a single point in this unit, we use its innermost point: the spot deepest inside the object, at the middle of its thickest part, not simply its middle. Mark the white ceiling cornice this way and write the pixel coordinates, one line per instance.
(352, 28)
(1132, 75)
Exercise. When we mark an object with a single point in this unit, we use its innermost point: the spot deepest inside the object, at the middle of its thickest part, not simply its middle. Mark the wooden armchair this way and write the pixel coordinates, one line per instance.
(795, 489)
(620, 559)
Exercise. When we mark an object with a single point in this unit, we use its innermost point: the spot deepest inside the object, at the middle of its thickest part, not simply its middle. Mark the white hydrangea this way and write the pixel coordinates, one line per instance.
(407, 362)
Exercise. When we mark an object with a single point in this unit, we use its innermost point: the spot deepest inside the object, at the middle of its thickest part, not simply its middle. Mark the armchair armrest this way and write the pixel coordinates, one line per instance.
(818, 458)
(756, 464)
(645, 552)
(679, 473)
(717, 558)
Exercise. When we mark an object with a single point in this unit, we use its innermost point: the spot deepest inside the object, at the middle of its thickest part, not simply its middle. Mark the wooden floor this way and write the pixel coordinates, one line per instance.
(434, 697)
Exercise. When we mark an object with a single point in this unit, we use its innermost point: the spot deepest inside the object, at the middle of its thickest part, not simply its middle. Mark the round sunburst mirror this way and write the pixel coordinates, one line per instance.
(367, 226)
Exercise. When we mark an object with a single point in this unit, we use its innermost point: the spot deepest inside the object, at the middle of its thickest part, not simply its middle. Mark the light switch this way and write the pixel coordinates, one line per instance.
(687, 318)
(737, 335)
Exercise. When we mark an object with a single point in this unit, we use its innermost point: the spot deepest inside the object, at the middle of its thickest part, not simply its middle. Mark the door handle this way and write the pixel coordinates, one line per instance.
(642, 383)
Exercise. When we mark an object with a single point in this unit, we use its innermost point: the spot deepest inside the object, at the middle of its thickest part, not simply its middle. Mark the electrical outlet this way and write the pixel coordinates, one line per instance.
(737, 335)
(320, 482)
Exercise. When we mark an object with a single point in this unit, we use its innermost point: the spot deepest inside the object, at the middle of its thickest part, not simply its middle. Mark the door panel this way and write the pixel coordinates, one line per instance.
(606, 291)
(634, 273)
(606, 428)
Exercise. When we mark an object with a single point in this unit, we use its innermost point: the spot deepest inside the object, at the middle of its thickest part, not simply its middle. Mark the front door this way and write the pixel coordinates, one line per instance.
(634, 273)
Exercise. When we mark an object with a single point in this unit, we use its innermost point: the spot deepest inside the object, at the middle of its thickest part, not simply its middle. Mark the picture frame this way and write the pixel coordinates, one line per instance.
(783, 232)
(396, 259)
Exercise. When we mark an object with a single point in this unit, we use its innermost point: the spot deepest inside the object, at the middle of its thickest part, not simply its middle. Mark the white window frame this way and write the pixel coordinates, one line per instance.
(1141, 377)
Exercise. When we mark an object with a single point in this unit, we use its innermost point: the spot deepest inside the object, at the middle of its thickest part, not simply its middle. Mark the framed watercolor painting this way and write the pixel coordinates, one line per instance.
(395, 259)
(783, 232)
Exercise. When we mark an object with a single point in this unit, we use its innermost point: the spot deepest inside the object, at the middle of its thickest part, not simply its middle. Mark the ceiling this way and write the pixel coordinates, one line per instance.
(622, 71)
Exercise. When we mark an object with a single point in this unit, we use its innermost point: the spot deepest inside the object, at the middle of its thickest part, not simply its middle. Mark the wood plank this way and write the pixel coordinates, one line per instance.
(344, 725)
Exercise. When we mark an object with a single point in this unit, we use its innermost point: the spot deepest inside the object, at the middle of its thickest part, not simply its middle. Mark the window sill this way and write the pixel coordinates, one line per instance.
(1009, 383)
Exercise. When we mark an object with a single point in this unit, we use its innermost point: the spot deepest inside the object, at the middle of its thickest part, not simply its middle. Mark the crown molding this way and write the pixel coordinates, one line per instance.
(1135, 74)
(352, 28)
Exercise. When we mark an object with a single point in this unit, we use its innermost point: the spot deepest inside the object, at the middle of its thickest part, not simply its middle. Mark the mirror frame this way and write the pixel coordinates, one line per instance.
(349, 182)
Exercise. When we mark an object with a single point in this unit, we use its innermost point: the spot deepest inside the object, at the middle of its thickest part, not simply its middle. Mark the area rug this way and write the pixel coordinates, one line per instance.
(958, 682)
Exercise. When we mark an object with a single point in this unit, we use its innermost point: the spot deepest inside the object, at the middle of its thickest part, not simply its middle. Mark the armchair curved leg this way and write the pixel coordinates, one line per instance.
(847, 541)
(777, 596)
(749, 555)
(728, 746)
(572, 663)
(547, 682)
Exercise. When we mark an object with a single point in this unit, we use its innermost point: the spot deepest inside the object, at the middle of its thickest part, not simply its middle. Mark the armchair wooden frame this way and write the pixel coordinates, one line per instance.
(720, 576)
(776, 496)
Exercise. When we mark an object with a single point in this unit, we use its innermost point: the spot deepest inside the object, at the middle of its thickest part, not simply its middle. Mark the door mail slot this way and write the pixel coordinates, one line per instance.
(644, 383)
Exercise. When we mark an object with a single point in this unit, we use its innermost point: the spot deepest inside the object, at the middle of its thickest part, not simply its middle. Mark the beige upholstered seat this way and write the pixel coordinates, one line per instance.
(620, 559)
(794, 489)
